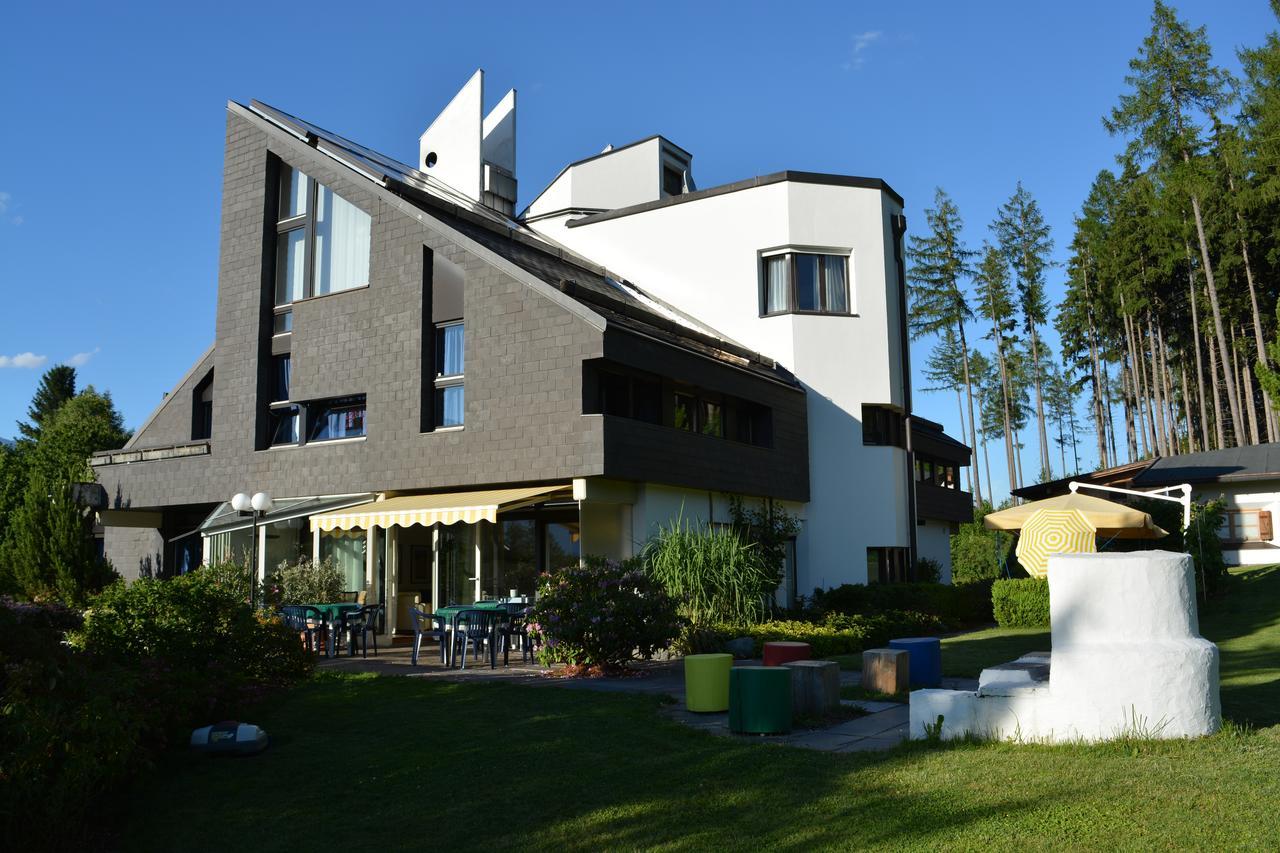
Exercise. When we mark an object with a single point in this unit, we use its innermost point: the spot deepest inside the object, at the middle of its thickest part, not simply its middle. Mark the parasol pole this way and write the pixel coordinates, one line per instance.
(1157, 494)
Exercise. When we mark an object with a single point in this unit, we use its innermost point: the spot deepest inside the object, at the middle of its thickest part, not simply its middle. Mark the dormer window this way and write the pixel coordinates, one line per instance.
(672, 180)
(322, 244)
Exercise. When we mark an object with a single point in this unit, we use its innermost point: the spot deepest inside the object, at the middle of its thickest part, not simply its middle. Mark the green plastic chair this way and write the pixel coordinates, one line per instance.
(760, 700)
(706, 682)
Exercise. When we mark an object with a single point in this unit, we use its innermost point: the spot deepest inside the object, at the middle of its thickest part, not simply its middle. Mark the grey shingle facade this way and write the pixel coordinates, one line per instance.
(526, 342)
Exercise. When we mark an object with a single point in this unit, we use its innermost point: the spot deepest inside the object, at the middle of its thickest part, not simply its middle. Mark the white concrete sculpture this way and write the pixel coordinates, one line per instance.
(1127, 659)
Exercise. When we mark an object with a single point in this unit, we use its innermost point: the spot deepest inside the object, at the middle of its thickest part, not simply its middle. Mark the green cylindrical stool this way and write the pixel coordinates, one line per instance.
(760, 700)
(706, 682)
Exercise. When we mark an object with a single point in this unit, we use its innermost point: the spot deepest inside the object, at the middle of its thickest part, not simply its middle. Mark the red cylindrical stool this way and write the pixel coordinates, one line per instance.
(776, 654)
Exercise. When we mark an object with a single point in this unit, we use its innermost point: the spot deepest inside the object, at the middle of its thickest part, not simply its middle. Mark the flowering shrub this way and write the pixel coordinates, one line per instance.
(602, 614)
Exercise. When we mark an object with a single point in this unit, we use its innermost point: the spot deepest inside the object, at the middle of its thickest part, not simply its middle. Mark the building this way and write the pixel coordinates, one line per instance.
(446, 399)
(1246, 479)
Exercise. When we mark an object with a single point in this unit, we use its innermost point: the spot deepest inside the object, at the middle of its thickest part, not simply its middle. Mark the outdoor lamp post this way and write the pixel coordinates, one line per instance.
(257, 506)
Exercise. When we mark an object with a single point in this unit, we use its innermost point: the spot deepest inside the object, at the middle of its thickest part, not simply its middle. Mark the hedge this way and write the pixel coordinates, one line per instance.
(1021, 603)
(961, 605)
(837, 635)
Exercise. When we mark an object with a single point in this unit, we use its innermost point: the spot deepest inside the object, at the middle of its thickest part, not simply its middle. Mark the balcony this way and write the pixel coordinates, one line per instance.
(943, 504)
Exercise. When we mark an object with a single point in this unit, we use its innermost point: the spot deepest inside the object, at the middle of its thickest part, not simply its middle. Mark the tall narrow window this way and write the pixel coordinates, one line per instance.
(202, 409)
(322, 244)
(804, 283)
(450, 402)
(284, 416)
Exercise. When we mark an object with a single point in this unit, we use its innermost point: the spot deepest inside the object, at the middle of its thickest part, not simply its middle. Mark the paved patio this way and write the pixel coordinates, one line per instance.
(884, 725)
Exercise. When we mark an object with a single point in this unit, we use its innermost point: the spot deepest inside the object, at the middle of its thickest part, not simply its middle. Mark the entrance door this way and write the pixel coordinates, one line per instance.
(456, 564)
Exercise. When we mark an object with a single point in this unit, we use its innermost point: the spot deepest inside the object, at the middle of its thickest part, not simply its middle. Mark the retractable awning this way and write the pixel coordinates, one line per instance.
(450, 508)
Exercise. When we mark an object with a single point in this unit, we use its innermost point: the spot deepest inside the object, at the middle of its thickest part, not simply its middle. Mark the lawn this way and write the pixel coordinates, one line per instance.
(397, 763)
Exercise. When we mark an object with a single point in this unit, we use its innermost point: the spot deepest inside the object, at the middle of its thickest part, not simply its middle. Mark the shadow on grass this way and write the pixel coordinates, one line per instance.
(466, 766)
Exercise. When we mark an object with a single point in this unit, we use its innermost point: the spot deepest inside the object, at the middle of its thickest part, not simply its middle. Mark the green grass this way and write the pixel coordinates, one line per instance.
(400, 763)
(966, 655)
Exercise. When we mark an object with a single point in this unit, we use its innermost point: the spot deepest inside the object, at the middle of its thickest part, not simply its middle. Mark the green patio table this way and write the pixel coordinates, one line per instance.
(450, 615)
(333, 614)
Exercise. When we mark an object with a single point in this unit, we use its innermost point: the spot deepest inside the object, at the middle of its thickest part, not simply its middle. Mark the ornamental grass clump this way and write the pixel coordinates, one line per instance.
(306, 582)
(715, 573)
(601, 615)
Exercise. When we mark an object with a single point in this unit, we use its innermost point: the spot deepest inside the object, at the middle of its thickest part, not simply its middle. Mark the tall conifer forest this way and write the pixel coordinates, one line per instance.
(1168, 328)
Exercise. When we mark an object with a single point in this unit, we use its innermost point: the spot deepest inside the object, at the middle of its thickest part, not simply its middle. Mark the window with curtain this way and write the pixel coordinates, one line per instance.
(322, 244)
(450, 399)
(342, 417)
(805, 283)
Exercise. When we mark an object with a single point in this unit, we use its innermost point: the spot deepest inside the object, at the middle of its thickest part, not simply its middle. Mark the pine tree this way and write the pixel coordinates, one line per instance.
(1173, 83)
(995, 305)
(57, 386)
(939, 264)
(1023, 237)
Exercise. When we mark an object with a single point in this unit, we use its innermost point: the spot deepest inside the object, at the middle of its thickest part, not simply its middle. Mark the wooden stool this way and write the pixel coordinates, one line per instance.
(815, 687)
(886, 671)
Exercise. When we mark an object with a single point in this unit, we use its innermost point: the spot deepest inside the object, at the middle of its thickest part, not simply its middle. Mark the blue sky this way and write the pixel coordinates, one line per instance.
(113, 120)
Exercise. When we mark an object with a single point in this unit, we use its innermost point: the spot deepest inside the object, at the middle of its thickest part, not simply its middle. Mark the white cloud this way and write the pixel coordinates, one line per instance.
(5, 199)
(80, 359)
(861, 41)
(23, 359)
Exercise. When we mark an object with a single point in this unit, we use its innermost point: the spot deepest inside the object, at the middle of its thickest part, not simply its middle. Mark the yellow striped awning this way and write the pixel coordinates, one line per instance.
(450, 508)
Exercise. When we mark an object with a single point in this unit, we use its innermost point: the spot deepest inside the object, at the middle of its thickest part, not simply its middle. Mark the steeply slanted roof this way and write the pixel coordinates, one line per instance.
(620, 302)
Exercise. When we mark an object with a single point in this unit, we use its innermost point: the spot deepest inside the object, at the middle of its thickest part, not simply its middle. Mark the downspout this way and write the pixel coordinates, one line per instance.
(898, 222)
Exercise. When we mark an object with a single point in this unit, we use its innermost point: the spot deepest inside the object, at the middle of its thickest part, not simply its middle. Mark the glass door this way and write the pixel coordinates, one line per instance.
(456, 575)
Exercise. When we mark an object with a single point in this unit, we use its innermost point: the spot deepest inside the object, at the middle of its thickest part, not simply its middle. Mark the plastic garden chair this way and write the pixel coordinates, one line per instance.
(478, 627)
(359, 624)
(517, 627)
(427, 625)
(307, 621)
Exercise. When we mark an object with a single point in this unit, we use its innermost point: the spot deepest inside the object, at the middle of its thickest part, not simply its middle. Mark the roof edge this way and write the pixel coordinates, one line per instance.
(750, 183)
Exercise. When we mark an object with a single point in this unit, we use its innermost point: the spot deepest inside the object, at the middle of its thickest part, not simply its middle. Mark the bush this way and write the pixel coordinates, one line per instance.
(306, 582)
(715, 573)
(928, 570)
(1205, 547)
(1021, 603)
(49, 547)
(235, 578)
(602, 614)
(977, 553)
(836, 635)
(202, 649)
(957, 606)
(71, 729)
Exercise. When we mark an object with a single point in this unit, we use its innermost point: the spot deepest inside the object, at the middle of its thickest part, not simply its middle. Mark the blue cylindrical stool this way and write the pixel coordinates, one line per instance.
(924, 655)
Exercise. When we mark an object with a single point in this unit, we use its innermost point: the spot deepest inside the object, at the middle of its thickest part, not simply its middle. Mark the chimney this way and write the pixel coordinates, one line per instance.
(473, 153)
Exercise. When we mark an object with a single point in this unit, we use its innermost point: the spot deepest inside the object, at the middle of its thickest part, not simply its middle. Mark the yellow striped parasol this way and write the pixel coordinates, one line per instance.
(1054, 531)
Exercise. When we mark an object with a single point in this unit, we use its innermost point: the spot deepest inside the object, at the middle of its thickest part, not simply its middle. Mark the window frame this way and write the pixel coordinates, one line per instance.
(442, 381)
(311, 412)
(282, 323)
(792, 307)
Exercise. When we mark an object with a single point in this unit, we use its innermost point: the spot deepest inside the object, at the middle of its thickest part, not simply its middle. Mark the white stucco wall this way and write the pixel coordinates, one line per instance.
(933, 540)
(703, 257)
(1254, 494)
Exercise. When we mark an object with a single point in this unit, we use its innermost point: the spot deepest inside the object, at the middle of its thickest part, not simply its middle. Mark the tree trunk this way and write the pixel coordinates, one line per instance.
(973, 434)
(1233, 398)
(1273, 432)
(1195, 336)
(986, 461)
(1186, 407)
(1135, 384)
(1044, 434)
(1157, 392)
(1128, 420)
(968, 475)
(1111, 417)
(1098, 420)
(1218, 427)
(1008, 421)
(1170, 405)
(1247, 385)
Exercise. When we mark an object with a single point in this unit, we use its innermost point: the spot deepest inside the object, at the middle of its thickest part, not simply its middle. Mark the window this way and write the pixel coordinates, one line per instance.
(882, 425)
(342, 417)
(889, 565)
(683, 412)
(283, 425)
(1246, 525)
(804, 283)
(322, 244)
(710, 418)
(672, 180)
(202, 409)
(281, 368)
(450, 397)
